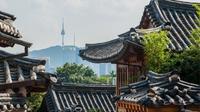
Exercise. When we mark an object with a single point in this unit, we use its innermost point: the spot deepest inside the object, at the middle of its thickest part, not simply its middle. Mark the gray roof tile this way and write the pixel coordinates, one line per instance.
(70, 97)
(162, 89)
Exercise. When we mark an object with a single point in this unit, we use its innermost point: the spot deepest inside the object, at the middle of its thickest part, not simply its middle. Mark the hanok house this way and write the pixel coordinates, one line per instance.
(127, 52)
(9, 35)
(79, 98)
(160, 92)
(117, 51)
(181, 15)
(18, 76)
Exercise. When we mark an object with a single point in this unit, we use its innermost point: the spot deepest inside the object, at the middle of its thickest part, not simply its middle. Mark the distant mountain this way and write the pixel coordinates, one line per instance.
(56, 56)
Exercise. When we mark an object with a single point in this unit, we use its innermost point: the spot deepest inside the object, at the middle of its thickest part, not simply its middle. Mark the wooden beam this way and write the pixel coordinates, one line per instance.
(7, 72)
(48, 76)
(16, 55)
(14, 40)
(135, 64)
(26, 83)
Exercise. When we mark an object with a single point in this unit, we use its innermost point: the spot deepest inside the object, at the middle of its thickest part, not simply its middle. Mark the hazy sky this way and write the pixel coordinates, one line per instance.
(92, 21)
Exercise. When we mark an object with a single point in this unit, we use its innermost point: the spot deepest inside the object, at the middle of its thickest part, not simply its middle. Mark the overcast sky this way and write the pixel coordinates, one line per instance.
(92, 21)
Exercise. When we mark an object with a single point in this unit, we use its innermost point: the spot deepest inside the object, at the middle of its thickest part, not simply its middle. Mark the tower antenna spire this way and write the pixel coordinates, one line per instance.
(74, 40)
(63, 32)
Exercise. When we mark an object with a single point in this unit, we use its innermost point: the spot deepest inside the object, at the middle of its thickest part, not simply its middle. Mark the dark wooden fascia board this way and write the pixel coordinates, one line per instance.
(14, 40)
(26, 83)
(84, 87)
(7, 15)
(25, 53)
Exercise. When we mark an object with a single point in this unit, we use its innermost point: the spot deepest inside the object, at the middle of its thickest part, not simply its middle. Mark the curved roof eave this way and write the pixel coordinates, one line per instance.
(111, 58)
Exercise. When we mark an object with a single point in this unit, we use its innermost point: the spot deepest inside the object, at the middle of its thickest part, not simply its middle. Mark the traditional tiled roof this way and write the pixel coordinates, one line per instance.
(12, 102)
(161, 89)
(8, 33)
(113, 50)
(79, 98)
(6, 16)
(181, 15)
(18, 77)
(107, 51)
(19, 71)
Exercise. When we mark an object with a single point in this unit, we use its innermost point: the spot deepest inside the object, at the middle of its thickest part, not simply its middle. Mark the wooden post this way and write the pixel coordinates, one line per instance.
(8, 75)
(20, 74)
(126, 75)
(22, 90)
(117, 78)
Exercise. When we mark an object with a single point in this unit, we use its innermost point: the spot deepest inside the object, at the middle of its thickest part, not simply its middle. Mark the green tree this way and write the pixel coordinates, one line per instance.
(189, 61)
(188, 64)
(197, 7)
(112, 75)
(34, 101)
(75, 73)
(155, 45)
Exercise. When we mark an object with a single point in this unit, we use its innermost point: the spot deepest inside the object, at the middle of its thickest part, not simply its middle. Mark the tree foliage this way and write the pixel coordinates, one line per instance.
(34, 101)
(189, 60)
(75, 73)
(155, 50)
(197, 7)
(189, 64)
(186, 62)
